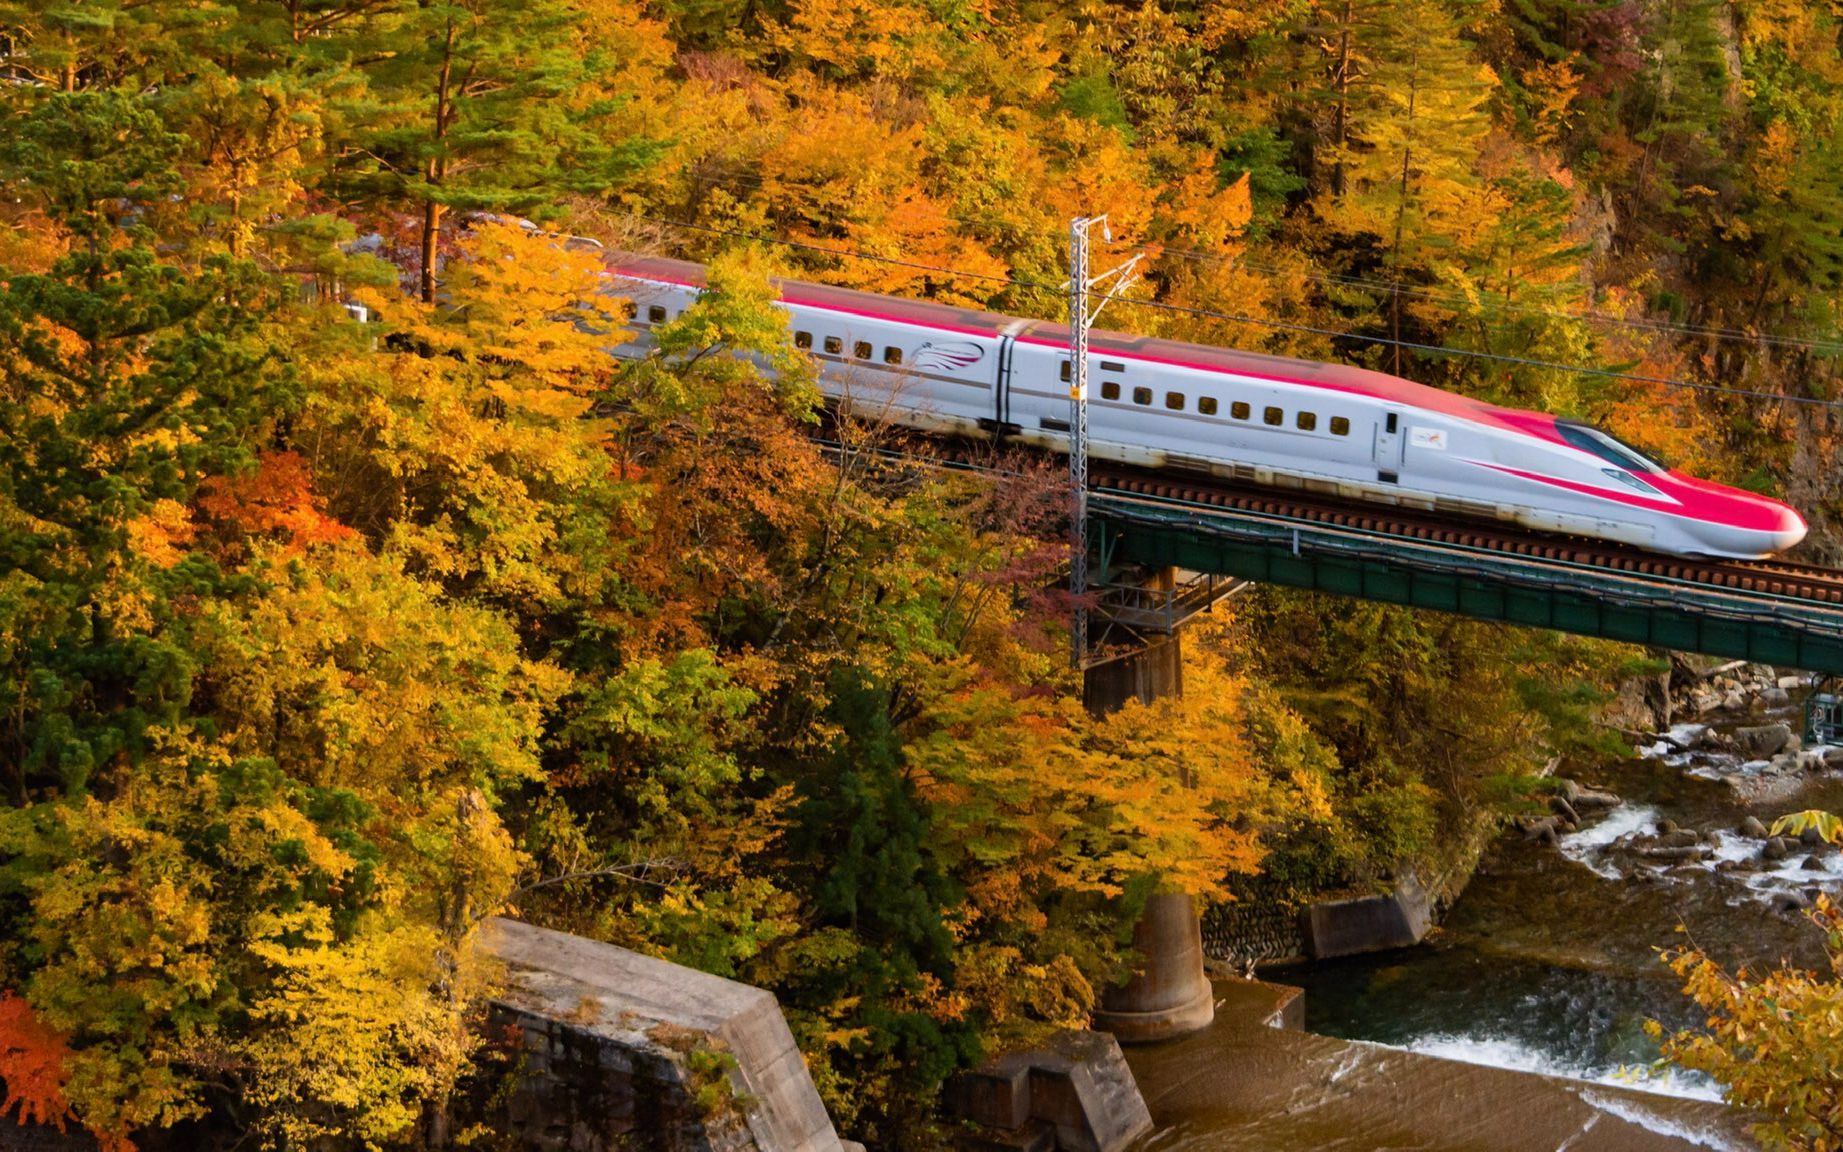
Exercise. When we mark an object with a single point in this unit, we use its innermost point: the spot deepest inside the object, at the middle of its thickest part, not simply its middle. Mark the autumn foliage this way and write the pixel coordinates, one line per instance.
(327, 637)
(32, 1070)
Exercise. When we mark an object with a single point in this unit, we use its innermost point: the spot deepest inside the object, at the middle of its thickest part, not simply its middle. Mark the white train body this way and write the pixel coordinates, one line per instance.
(1327, 428)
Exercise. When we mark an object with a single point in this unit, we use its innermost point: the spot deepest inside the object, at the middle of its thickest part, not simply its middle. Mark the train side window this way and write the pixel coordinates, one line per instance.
(1340, 425)
(861, 349)
(1142, 395)
(1273, 416)
(1305, 421)
(834, 345)
(1112, 366)
(1206, 405)
(1390, 425)
(1174, 401)
(803, 339)
(1065, 372)
(656, 314)
(629, 310)
(1239, 409)
(892, 355)
(1110, 389)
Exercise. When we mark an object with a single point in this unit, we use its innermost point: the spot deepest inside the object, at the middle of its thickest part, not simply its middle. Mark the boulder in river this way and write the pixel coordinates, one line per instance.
(1762, 740)
(1589, 799)
(1811, 837)
(1683, 853)
(1666, 827)
(1681, 838)
(1753, 828)
(1778, 848)
(1813, 864)
(1560, 806)
(1542, 829)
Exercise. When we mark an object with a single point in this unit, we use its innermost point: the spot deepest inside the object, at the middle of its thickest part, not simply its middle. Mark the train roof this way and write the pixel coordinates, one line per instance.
(1209, 358)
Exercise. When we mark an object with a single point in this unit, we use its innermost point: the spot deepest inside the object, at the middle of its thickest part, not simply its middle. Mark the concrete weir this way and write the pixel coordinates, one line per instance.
(1248, 1083)
(623, 1051)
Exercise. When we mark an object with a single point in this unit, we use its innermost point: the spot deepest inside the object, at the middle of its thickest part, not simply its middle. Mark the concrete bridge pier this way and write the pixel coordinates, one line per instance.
(1170, 996)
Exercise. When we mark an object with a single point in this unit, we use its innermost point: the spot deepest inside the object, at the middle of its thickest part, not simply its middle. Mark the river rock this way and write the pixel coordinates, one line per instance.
(1753, 828)
(1774, 697)
(1682, 853)
(1560, 806)
(1666, 827)
(1811, 760)
(1542, 829)
(1790, 902)
(1833, 757)
(1593, 800)
(1783, 763)
(1813, 864)
(1681, 838)
(1788, 683)
(1734, 701)
(1763, 740)
(1778, 848)
(1811, 837)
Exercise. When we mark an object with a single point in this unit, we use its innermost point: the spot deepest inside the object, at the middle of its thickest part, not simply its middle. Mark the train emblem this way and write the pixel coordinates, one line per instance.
(948, 356)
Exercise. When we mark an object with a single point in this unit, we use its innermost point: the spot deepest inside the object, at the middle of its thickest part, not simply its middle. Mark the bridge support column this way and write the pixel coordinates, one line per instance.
(1170, 995)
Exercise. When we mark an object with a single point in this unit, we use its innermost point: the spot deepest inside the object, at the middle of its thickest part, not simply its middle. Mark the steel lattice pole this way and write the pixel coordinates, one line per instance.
(1078, 440)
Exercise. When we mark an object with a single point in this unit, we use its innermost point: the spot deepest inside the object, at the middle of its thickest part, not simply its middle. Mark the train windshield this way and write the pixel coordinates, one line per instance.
(1606, 447)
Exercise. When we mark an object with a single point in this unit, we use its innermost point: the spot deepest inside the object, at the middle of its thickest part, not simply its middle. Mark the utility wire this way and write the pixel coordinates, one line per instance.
(1716, 332)
(1460, 302)
(1279, 325)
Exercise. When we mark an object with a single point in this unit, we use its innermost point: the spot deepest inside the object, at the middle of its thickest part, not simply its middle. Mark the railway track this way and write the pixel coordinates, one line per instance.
(1771, 577)
(1805, 582)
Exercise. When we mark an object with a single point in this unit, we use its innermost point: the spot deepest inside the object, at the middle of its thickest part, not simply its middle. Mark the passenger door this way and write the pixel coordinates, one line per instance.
(1388, 446)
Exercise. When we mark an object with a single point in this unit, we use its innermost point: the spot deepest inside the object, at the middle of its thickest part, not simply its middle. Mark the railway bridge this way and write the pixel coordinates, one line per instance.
(1767, 611)
(1166, 545)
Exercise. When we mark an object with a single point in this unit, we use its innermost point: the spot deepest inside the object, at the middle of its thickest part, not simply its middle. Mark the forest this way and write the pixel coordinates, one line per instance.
(351, 593)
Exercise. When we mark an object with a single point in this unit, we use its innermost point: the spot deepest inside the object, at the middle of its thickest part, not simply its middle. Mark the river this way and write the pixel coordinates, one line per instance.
(1549, 960)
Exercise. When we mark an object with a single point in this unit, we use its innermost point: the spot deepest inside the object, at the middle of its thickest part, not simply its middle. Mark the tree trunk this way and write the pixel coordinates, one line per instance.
(1341, 126)
(438, 165)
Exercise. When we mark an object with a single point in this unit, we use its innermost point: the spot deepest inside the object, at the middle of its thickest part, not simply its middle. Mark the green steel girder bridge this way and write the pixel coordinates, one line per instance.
(1132, 529)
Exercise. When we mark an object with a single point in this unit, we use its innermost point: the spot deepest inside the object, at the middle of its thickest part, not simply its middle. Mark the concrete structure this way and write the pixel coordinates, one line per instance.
(1396, 919)
(1145, 674)
(623, 1051)
(1170, 995)
(1074, 1093)
(1244, 1084)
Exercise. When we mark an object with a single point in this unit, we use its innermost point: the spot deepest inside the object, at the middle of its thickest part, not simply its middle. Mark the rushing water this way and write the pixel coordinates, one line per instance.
(1550, 961)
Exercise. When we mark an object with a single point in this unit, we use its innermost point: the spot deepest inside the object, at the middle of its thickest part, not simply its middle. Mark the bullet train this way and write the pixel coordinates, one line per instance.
(1326, 428)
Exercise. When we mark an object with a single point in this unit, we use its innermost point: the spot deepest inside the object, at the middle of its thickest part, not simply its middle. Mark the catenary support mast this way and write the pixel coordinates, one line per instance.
(1080, 317)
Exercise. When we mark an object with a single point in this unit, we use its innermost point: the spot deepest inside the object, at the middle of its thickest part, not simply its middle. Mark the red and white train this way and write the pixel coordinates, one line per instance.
(1326, 428)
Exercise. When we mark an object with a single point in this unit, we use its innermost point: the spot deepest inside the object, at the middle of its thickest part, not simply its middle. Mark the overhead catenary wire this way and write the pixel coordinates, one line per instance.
(1277, 325)
(1825, 347)
(1396, 287)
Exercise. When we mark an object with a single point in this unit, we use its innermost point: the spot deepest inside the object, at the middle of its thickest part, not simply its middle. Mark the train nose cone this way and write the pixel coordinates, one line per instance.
(1791, 529)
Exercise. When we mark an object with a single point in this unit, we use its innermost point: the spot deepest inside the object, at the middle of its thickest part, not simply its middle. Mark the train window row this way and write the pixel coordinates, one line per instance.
(860, 349)
(1238, 409)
